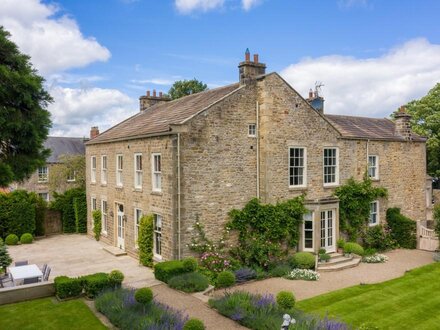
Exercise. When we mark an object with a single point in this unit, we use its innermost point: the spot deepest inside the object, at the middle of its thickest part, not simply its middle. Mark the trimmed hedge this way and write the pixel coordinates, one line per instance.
(93, 284)
(97, 223)
(116, 277)
(190, 264)
(194, 324)
(66, 287)
(164, 271)
(145, 241)
(11, 239)
(65, 204)
(355, 248)
(26, 238)
(286, 299)
(17, 213)
(225, 279)
(303, 260)
(189, 282)
(402, 229)
(80, 209)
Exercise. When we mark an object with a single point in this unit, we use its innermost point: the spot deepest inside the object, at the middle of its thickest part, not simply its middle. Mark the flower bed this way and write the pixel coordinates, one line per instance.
(262, 312)
(303, 274)
(120, 307)
(374, 259)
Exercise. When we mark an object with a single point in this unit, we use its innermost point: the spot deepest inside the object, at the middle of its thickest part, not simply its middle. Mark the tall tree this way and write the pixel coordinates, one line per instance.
(24, 119)
(186, 87)
(426, 121)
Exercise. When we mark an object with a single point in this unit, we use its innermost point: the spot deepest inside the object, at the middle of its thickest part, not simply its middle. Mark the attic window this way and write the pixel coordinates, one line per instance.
(252, 130)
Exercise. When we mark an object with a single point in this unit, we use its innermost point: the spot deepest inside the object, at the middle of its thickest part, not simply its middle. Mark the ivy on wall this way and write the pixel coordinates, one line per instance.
(145, 240)
(97, 224)
(65, 203)
(355, 198)
(266, 231)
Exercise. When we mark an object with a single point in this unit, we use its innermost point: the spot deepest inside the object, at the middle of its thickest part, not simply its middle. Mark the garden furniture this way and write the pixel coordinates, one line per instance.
(43, 269)
(21, 263)
(46, 274)
(18, 274)
(5, 279)
(31, 280)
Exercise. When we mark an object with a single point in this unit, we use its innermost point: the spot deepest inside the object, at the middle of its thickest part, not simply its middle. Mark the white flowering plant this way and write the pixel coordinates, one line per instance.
(303, 274)
(375, 259)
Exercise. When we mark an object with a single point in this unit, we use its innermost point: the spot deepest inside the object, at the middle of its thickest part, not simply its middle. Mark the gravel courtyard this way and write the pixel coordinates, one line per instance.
(399, 261)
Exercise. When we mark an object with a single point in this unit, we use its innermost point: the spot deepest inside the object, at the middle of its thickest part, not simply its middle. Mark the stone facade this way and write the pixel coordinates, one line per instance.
(211, 164)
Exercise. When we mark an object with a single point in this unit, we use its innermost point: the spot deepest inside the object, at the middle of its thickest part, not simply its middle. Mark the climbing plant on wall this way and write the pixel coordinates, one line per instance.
(354, 205)
(145, 240)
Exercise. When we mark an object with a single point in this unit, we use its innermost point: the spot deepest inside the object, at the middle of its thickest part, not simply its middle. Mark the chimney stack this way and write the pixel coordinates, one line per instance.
(403, 123)
(94, 132)
(315, 100)
(148, 100)
(250, 70)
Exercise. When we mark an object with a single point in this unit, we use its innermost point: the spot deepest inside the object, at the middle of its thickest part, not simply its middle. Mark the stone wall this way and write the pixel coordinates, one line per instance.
(145, 199)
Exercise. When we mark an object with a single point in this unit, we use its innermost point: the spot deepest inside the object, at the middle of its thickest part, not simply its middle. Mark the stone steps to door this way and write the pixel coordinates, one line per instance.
(115, 251)
(338, 262)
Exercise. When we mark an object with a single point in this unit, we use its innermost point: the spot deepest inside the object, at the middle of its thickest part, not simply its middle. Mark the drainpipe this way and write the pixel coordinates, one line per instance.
(178, 198)
(368, 152)
(257, 129)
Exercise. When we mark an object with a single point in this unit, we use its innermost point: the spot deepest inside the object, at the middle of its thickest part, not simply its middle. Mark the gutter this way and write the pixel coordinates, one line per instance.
(257, 124)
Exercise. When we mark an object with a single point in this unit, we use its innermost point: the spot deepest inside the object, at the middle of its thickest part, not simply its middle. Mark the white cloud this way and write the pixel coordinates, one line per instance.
(155, 81)
(352, 3)
(372, 86)
(249, 4)
(76, 110)
(54, 41)
(188, 6)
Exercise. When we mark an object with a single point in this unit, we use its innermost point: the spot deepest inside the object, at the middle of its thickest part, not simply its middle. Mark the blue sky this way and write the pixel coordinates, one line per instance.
(99, 56)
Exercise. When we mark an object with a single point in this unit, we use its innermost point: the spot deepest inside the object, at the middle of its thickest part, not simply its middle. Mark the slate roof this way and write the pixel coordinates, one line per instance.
(158, 118)
(367, 128)
(63, 146)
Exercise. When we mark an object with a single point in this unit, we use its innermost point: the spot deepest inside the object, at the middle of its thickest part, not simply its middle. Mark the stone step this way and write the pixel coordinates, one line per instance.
(339, 266)
(336, 260)
(117, 252)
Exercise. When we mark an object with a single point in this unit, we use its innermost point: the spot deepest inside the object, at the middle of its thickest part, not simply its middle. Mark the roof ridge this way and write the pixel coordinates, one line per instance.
(337, 115)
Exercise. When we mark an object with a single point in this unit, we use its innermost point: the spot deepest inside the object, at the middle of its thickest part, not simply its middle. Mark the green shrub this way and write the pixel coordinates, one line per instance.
(115, 278)
(190, 264)
(286, 299)
(26, 238)
(95, 283)
(5, 259)
(145, 240)
(351, 247)
(324, 257)
(225, 279)
(322, 251)
(194, 324)
(279, 270)
(303, 260)
(402, 228)
(144, 296)
(340, 243)
(11, 239)
(378, 237)
(369, 252)
(164, 271)
(1, 241)
(65, 204)
(97, 224)
(80, 210)
(189, 282)
(66, 287)
(40, 214)
(437, 220)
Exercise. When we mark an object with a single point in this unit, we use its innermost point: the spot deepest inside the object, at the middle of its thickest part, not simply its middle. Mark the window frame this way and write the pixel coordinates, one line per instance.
(252, 130)
(137, 222)
(156, 174)
(93, 207)
(104, 216)
(104, 170)
(336, 182)
(304, 167)
(47, 199)
(93, 169)
(375, 167)
(69, 178)
(312, 217)
(155, 233)
(43, 177)
(119, 170)
(375, 213)
(138, 173)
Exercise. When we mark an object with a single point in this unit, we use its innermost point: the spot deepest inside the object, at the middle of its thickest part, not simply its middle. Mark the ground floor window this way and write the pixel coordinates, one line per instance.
(308, 231)
(137, 222)
(44, 196)
(104, 218)
(374, 216)
(158, 235)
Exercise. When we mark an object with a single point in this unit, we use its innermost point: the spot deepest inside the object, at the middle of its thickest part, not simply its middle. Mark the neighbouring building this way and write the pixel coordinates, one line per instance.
(202, 155)
(59, 146)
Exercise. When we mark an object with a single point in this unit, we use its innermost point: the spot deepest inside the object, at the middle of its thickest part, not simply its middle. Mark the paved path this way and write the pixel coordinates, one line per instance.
(75, 255)
(399, 261)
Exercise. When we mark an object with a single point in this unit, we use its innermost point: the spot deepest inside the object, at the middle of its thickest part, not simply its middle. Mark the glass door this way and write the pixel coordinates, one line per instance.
(328, 230)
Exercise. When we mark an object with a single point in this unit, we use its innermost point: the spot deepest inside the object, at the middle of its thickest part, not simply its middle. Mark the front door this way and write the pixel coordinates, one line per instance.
(328, 230)
(120, 242)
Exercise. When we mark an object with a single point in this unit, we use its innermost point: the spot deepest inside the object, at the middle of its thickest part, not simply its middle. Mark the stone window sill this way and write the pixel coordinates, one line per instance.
(157, 193)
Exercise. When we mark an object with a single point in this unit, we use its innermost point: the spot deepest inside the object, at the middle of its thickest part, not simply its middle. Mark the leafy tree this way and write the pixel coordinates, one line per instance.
(426, 121)
(70, 166)
(145, 240)
(186, 87)
(5, 259)
(24, 119)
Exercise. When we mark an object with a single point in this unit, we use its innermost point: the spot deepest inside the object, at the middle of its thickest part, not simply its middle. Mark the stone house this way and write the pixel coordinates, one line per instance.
(59, 146)
(202, 155)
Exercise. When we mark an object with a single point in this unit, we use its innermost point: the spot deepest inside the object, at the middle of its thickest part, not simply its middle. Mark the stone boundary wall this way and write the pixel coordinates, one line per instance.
(26, 292)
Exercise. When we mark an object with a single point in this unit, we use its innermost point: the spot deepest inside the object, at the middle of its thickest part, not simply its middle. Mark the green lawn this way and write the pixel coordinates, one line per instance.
(408, 302)
(47, 313)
